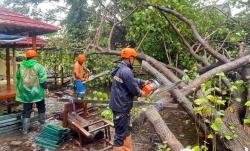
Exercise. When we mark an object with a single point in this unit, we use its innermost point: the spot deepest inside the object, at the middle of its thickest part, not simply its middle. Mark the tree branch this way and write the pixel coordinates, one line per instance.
(195, 33)
(197, 57)
(114, 25)
(208, 75)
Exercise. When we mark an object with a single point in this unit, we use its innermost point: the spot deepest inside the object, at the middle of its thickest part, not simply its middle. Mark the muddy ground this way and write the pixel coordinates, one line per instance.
(145, 140)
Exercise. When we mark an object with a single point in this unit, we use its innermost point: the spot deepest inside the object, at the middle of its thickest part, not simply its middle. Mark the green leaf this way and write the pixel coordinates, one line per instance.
(228, 137)
(220, 102)
(233, 87)
(207, 110)
(221, 112)
(221, 74)
(208, 91)
(207, 121)
(203, 87)
(217, 89)
(218, 120)
(210, 136)
(196, 148)
(215, 127)
(200, 101)
(211, 98)
(247, 104)
(246, 121)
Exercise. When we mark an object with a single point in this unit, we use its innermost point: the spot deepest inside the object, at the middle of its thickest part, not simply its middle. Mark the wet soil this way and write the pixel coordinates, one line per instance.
(145, 140)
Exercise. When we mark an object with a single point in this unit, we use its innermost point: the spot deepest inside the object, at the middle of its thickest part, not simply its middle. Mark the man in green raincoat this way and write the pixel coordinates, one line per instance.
(31, 84)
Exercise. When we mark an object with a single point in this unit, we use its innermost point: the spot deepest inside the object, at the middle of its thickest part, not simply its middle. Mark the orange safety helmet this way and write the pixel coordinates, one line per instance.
(81, 58)
(31, 54)
(128, 52)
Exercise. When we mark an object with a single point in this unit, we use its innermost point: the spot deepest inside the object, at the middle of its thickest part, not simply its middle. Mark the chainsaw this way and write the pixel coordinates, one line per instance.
(92, 77)
(152, 87)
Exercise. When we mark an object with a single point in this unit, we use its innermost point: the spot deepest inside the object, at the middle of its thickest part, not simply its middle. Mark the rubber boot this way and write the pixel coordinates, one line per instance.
(120, 148)
(128, 143)
(26, 125)
(41, 118)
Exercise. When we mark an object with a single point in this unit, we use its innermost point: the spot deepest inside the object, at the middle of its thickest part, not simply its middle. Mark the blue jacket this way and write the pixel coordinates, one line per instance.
(124, 88)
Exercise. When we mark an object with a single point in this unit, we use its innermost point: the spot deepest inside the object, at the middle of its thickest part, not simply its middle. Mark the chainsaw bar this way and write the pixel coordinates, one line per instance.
(92, 77)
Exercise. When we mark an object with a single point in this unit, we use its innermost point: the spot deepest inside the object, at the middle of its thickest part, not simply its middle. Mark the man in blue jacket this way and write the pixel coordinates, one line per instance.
(124, 88)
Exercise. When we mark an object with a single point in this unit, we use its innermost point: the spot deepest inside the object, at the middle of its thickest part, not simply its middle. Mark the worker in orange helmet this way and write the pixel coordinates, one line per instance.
(79, 76)
(31, 84)
(124, 88)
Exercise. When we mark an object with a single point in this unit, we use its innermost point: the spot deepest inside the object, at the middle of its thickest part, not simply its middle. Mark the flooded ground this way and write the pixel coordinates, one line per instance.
(145, 140)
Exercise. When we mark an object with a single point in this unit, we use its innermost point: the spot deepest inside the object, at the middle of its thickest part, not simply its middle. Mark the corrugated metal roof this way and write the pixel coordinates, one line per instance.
(14, 23)
(24, 43)
(28, 42)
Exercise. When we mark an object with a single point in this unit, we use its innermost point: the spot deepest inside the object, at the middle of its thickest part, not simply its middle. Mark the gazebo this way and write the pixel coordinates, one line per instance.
(15, 24)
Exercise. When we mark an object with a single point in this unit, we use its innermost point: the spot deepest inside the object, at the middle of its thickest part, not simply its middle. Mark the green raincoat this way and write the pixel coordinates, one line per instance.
(29, 77)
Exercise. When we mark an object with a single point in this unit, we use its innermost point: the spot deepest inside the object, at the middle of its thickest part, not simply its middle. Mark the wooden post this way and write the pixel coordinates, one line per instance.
(34, 42)
(8, 67)
(14, 65)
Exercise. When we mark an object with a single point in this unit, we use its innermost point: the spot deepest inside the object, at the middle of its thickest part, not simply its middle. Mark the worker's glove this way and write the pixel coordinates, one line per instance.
(142, 94)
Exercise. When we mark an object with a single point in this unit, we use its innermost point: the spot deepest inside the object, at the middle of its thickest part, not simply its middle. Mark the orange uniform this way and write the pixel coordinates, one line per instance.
(78, 71)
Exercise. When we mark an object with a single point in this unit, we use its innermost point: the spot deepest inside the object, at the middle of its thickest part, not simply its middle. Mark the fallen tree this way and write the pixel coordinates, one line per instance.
(234, 111)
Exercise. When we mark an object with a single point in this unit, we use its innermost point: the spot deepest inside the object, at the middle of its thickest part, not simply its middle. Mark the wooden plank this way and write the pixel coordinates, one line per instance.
(98, 128)
(93, 123)
(73, 118)
(107, 121)
(7, 93)
(82, 130)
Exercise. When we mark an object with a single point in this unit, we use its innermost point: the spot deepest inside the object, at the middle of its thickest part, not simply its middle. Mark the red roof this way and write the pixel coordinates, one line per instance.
(28, 42)
(25, 43)
(14, 23)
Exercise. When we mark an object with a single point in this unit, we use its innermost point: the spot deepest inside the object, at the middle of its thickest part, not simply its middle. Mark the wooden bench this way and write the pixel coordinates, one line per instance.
(7, 94)
(86, 127)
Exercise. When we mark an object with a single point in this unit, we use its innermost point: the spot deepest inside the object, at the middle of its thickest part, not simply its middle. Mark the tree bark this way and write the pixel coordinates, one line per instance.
(208, 75)
(161, 128)
(232, 118)
(187, 105)
(181, 99)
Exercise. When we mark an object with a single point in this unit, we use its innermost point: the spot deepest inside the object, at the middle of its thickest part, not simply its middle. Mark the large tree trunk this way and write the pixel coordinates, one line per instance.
(161, 128)
(186, 103)
(208, 75)
(181, 99)
(245, 73)
(241, 140)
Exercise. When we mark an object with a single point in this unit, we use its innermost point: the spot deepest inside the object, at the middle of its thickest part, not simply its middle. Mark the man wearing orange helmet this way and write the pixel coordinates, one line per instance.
(124, 88)
(31, 83)
(79, 76)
